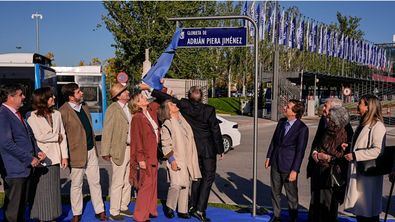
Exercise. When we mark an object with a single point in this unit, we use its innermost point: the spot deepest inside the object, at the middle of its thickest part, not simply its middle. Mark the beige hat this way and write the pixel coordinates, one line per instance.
(117, 89)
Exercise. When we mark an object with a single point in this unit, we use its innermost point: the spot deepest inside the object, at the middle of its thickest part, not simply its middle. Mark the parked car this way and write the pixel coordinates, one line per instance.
(230, 133)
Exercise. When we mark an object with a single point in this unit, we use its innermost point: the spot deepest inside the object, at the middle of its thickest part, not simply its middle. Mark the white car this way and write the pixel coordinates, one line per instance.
(230, 133)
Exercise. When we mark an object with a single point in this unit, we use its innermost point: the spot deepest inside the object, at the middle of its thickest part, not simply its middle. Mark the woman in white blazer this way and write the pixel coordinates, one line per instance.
(179, 147)
(49, 133)
(363, 194)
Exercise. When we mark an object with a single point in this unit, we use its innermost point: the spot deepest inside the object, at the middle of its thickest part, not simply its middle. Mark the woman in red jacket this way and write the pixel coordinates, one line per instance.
(143, 156)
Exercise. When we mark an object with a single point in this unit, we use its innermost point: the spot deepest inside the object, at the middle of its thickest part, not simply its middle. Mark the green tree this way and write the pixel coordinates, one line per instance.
(95, 62)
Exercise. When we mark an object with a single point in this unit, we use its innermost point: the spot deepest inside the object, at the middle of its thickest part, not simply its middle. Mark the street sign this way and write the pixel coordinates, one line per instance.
(122, 77)
(212, 37)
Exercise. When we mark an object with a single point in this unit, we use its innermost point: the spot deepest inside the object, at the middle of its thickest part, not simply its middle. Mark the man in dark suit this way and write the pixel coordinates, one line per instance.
(285, 156)
(18, 152)
(208, 137)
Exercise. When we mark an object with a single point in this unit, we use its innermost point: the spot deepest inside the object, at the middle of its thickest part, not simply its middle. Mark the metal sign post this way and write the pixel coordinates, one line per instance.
(255, 143)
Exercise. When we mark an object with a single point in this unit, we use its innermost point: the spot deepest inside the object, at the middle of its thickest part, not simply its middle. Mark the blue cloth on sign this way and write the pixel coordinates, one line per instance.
(162, 65)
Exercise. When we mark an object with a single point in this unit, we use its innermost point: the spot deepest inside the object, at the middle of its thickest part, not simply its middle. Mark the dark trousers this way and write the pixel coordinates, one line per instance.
(15, 199)
(277, 181)
(368, 219)
(200, 190)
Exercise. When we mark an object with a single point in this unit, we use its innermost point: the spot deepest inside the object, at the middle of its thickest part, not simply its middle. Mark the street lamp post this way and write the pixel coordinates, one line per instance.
(37, 17)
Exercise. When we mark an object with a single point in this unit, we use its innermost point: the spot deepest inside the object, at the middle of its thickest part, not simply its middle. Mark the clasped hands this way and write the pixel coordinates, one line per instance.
(37, 160)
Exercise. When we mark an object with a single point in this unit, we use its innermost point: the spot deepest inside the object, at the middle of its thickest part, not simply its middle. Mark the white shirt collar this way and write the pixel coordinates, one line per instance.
(76, 107)
(10, 108)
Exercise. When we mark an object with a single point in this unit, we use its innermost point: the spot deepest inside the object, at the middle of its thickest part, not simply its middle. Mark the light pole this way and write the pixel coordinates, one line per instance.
(37, 16)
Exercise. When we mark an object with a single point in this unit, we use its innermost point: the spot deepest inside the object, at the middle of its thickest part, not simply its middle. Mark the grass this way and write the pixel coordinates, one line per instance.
(226, 105)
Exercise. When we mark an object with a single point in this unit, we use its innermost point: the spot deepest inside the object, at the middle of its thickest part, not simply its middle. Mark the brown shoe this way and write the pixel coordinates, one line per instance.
(101, 216)
(76, 218)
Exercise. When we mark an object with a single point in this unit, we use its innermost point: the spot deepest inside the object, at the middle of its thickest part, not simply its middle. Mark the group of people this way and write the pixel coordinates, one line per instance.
(333, 166)
(185, 133)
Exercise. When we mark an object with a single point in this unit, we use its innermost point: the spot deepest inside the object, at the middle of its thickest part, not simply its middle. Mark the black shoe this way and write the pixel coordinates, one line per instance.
(169, 213)
(201, 216)
(191, 210)
(153, 216)
(184, 215)
(276, 219)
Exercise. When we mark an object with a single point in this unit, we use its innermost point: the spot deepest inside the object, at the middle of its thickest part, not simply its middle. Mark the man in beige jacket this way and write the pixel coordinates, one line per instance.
(82, 152)
(115, 148)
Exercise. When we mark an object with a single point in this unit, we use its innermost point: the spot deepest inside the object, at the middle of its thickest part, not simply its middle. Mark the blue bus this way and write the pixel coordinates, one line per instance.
(31, 70)
(92, 82)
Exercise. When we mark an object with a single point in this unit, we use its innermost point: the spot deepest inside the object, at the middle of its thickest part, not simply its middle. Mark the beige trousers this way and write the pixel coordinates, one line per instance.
(178, 195)
(120, 190)
(91, 170)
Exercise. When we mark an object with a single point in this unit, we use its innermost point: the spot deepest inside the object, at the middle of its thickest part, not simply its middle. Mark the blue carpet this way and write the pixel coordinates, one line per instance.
(215, 214)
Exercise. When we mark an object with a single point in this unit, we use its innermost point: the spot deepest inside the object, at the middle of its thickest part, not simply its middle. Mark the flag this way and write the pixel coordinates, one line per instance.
(324, 40)
(346, 45)
(341, 48)
(311, 37)
(291, 39)
(281, 29)
(299, 35)
(320, 40)
(262, 23)
(308, 36)
(162, 65)
(253, 16)
(245, 22)
(328, 43)
(335, 44)
(274, 14)
(285, 33)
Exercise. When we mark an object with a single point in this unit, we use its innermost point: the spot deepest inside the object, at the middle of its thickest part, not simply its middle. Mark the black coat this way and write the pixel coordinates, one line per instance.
(204, 123)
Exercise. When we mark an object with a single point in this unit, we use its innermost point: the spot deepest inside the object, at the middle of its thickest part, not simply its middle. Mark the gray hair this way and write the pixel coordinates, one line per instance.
(335, 102)
(339, 116)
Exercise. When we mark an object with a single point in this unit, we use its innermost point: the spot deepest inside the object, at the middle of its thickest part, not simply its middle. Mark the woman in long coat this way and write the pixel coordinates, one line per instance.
(364, 193)
(179, 147)
(49, 133)
(144, 140)
(328, 155)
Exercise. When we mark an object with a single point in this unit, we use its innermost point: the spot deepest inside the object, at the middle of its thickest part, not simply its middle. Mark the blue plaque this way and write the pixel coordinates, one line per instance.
(212, 37)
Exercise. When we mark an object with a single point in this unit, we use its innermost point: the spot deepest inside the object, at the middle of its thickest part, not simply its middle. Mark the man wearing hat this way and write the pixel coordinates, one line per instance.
(115, 148)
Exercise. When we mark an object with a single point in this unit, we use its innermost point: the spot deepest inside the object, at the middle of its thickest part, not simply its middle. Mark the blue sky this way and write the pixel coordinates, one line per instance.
(68, 28)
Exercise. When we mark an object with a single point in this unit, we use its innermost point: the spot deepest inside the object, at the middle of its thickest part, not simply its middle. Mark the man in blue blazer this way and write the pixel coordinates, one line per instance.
(18, 150)
(285, 155)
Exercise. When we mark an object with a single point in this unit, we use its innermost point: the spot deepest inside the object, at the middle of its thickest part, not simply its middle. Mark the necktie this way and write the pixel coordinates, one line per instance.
(21, 118)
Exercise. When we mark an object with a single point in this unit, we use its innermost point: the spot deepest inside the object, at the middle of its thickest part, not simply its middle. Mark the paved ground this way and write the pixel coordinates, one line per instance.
(233, 184)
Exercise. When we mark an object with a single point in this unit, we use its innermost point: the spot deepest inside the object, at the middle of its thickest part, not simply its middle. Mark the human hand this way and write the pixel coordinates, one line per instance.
(35, 162)
(174, 166)
(344, 146)
(348, 157)
(41, 156)
(60, 138)
(323, 156)
(107, 157)
(142, 165)
(144, 86)
(315, 156)
(267, 163)
(64, 163)
(292, 176)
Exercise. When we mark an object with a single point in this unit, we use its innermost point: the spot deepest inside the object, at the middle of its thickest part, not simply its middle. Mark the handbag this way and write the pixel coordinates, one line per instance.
(381, 165)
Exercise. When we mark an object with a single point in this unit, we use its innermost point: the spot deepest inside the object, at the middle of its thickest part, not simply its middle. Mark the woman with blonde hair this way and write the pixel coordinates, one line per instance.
(179, 147)
(144, 141)
(48, 130)
(364, 192)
